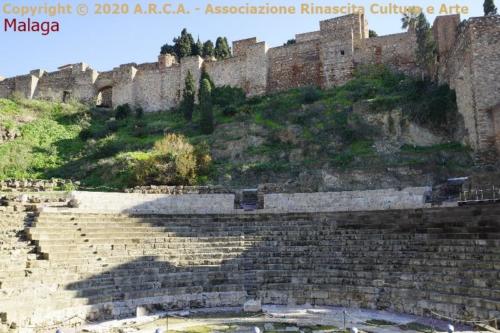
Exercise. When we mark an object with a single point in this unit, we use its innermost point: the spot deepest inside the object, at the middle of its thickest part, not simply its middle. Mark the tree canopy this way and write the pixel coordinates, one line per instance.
(185, 46)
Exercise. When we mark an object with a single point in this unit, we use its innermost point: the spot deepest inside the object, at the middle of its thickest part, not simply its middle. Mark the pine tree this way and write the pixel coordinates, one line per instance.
(188, 95)
(222, 49)
(207, 117)
(489, 8)
(208, 49)
(183, 44)
(426, 47)
(167, 49)
(197, 48)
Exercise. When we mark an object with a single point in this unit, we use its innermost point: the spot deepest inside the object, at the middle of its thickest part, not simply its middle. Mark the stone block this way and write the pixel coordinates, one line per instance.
(253, 305)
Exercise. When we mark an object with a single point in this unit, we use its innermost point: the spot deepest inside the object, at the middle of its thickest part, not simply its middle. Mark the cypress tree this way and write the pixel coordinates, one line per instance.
(426, 47)
(188, 95)
(197, 48)
(489, 8)
(207, 117)
(222, 49)
(205, 76)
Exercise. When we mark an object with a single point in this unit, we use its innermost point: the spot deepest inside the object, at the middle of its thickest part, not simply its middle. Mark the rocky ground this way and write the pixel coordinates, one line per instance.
(276, 319)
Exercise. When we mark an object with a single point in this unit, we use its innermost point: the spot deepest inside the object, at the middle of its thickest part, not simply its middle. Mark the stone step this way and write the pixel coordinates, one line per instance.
(375, 249)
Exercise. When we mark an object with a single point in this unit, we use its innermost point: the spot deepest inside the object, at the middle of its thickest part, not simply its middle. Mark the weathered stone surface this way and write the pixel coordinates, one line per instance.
(253, 305)
(99, 266)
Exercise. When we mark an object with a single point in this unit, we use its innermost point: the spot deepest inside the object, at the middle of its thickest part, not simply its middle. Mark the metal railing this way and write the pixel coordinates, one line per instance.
(480, 195)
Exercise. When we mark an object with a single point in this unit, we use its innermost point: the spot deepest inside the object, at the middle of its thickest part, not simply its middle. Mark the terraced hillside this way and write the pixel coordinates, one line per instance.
(380, 130)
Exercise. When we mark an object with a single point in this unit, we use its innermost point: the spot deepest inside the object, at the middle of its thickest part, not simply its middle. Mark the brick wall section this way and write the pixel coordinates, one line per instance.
(293, 66)
(396, 51)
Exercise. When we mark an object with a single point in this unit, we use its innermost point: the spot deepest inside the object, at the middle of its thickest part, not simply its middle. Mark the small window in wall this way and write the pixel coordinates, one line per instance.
(66, 96)
(342, 52)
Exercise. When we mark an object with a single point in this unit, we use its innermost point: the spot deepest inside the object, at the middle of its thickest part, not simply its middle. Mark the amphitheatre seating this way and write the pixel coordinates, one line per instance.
(100, 266)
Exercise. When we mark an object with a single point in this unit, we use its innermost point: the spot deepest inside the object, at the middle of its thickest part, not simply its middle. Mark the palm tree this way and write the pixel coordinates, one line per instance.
(409, 20)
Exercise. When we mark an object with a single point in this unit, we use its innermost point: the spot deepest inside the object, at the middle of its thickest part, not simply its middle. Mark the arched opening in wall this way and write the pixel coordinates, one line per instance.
(105, 97)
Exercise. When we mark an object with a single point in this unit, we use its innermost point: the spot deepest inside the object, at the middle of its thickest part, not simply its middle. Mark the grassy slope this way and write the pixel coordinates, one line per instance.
(72, 141)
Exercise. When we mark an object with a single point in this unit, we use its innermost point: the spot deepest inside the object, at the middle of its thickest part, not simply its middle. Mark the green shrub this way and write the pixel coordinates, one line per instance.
(85, 134)
(112, 126)
(230, 110)
(123, 111)
(310, 95)
(432, 105)
(139, 113)
(140, 130)
(228, 96)
(174, 161)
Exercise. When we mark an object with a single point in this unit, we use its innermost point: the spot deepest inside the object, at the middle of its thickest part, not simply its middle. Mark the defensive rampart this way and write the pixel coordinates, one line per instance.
(468, 60)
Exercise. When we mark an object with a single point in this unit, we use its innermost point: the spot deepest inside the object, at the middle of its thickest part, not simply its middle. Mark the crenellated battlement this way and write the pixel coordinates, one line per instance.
(468, 60)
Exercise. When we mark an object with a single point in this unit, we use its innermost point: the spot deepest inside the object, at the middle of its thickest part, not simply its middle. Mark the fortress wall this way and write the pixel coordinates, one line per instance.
(295, 65)
(52, 85)
(130, 203)
(190, 64)
(83, 88)
(26, 84)
(348, 27)
(7, 87)
(336, 58)
(485, 38)
(307, 36)
(123, 87)
(256, 69)
(445, 30)
(231, 71)
(409, 198)
(472, 69)
(156, 90)
(240, 47)
(247, 69)
(457, 72)
(396, 51)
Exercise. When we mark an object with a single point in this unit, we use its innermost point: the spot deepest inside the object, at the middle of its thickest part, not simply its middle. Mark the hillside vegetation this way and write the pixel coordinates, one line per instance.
(371, 131)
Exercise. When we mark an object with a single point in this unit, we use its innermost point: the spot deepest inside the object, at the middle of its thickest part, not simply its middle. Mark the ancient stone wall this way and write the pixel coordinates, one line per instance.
(468, 61)
(445, 31)
(133, 203)
(295, 65)
(396, 51)
(347, 201)
(472, 69)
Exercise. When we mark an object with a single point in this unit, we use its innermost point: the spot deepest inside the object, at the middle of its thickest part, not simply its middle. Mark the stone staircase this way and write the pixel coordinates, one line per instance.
(16, 252)
(99, 266)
